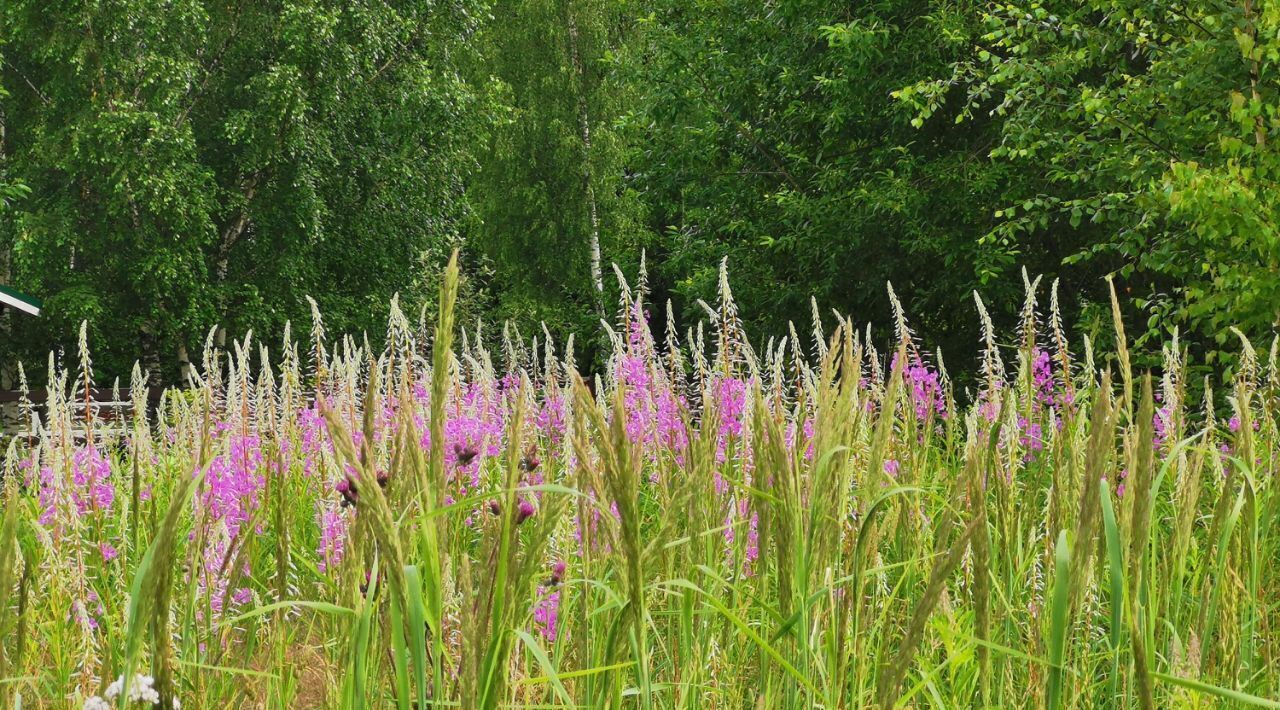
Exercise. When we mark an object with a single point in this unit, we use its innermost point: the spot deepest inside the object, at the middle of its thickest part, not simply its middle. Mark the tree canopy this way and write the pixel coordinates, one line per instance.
(166, 168)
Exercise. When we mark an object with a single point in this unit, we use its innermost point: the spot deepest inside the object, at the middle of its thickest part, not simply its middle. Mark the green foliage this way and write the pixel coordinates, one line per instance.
(169, 167)
(551, 172)
(198, 163)
(1153, 127)
(769, 136)
(813, 531)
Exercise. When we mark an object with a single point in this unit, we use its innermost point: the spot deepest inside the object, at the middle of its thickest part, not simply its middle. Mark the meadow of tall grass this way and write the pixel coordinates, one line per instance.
(808, 522)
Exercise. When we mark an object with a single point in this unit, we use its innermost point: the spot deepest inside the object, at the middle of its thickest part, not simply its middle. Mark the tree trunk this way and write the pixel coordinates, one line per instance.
(184, 364)
(230, 235)
(584, 130)
(6, 320)
(151, 355)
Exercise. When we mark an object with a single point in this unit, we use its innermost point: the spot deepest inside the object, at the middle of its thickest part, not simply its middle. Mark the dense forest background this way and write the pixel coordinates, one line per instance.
(169, 166)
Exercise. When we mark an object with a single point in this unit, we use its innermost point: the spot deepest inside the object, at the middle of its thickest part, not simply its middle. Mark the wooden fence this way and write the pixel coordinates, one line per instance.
(111, 410)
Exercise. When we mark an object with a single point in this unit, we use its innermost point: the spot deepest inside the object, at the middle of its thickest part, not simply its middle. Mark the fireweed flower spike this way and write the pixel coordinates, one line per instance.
(685, 476)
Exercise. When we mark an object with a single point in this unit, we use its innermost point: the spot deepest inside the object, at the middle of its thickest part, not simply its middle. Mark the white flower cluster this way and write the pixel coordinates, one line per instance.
(141, 690)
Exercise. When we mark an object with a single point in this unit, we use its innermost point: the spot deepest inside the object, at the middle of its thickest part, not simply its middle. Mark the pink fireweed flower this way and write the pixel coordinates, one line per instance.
(633, 375)
(549, 420)
(1043, 384)
(88, 489)
(1160, 423)
(233, 484)
(670, 415)
(1030, 436)
(731, 405)
(924, 387)
(738, 511)
(891, 467)
(807, 431)
(333, 536)
(546, 614)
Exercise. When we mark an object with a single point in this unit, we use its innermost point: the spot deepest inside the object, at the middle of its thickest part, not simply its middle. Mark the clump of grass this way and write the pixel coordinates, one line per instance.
(706, 522)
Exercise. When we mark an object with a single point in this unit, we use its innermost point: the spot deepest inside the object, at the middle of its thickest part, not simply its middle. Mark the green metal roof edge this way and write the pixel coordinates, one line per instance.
(32, 300)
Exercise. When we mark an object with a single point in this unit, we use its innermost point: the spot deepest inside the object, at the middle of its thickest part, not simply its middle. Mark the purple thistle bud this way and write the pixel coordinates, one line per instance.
(557, 573)
(525, 511)
(495, 508)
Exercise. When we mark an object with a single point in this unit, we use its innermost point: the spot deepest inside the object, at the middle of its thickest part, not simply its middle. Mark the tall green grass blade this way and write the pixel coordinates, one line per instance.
(1059, 621)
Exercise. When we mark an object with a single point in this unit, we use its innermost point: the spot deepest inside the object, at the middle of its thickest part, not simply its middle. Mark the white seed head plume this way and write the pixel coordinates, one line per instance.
(548, 357)
(1248, 359)
(612, 336)
(797, 355)
(674, 356)
(570, 366)
(86, 381)
(319, 356)
(752, 363)
(873, 361)
(86, 363)
(842, 321)
(535, 362)
(1207, 405)
(138, 398)
(267, 402)
(900, 328)
(208, 358)
(1027, 321)
(399, 332)
(701, 366)
(992, 365)
(424, 326)
(819, 338)
(944, 380)
(1273, 377)
(778, 374)
(1055, 323)
(731, 341)
(642, 279)
(1088, 360)
(291, 376)
(510, 352)
(25, 409)
(1172, 376)
(625, 298)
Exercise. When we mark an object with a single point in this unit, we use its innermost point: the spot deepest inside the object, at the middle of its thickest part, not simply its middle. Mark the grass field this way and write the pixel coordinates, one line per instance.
(808, 522)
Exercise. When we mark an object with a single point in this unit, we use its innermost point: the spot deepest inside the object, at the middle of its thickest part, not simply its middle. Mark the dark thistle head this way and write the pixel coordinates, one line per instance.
(530, 461)
(557, 573)
(525, 510)
(465, 453)
(347, 488)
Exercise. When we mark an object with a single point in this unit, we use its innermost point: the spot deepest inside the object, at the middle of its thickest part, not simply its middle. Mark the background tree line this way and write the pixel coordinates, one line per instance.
(169, 166)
